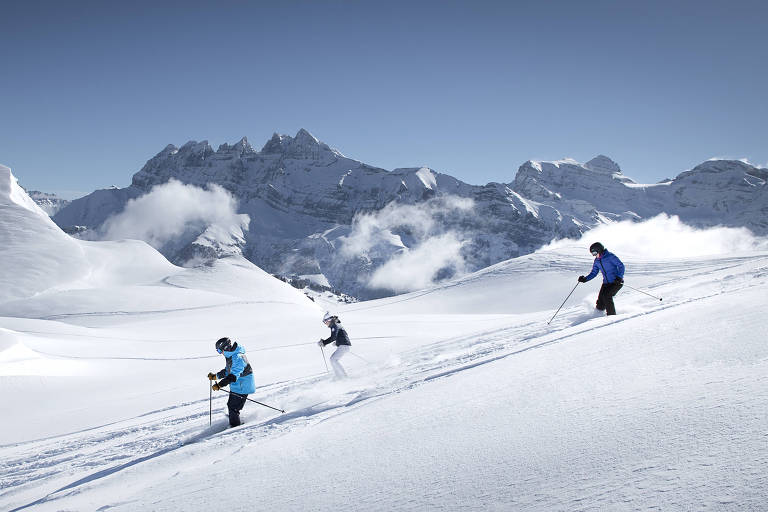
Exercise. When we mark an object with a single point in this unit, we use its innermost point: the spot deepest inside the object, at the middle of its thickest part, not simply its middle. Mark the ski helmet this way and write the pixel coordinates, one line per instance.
(596, 247)
(224, 345)
(327, 316)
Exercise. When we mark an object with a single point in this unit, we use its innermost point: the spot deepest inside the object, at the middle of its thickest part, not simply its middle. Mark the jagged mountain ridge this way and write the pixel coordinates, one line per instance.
(304, 200)
(716, 192)
(50, 203)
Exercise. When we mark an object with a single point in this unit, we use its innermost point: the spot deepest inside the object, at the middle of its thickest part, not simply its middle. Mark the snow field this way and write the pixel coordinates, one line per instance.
(656, 407)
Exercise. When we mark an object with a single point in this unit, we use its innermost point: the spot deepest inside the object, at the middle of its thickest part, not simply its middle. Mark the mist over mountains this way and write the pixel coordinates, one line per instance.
(300, 208)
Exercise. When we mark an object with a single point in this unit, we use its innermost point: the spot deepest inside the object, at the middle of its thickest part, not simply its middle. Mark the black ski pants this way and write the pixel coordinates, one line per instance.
(605, 297)
(235, 405)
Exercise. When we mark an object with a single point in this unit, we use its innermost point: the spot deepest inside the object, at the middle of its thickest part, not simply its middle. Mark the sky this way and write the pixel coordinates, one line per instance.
(89, 91)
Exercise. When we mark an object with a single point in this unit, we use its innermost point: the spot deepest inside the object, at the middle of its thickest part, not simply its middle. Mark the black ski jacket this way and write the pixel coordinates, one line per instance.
(338, 336)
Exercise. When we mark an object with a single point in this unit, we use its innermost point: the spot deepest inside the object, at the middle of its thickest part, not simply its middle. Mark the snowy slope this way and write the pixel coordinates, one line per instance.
(462, 397)
(24, 226)
(64, 302)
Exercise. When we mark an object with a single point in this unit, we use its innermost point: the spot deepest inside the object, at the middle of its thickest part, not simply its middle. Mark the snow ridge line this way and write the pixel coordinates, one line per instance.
(161, 311)
(548, 265)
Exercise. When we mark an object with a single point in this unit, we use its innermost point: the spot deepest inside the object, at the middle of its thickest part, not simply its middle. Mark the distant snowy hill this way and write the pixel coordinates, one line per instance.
(24, 225)
(46, 271)
(317, 214)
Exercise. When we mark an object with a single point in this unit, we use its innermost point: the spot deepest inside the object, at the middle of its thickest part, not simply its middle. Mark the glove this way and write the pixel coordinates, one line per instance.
(582, 279)
(320, 343)
(215, 386)
(226, 381)
(211, 376)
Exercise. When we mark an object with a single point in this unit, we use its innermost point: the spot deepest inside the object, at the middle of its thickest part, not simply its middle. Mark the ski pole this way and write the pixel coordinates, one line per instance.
(326, 362)
(254, 401)
(210, 404)
(563, 304)
(360, 357)
(641, 291)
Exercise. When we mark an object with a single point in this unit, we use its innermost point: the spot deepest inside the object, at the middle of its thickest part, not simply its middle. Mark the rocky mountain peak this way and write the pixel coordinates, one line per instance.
(239, 148)
(194, 150)
(193, 146)
(303, 146)
(726, 174)
(304, 138)
(603, 164)
(170, 149)
(720, 165)
(276, 144)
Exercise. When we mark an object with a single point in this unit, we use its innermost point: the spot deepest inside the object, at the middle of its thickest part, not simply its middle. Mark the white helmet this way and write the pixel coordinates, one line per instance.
(327, 316)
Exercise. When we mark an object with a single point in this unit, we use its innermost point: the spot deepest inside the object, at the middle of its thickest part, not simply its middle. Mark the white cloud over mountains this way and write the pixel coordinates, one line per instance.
(418, 253)
(417, 250)
(408, 246)
(170, 210)
(667, 237)
(421, 266)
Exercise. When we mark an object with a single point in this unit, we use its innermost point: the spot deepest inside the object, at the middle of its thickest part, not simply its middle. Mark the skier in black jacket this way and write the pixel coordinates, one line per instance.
(340, 337)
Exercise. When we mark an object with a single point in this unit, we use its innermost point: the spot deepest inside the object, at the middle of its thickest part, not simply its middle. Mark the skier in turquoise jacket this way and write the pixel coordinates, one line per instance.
(237, 374)
(613, 276)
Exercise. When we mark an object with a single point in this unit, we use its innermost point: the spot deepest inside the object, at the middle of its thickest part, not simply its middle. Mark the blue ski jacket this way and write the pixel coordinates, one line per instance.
(239, 369)
(610, 265)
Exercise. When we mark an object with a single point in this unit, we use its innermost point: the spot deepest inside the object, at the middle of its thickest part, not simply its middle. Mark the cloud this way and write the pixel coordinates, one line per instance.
(414, 221)
(170, 210)
(411, 240)
(664, 237)
(413, 269)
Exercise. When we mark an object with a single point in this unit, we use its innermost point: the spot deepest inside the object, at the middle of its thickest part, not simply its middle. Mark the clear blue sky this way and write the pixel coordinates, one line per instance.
(91, 90)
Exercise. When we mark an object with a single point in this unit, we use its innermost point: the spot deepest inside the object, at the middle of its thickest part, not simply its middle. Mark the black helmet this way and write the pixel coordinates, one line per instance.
(596, 248)
(224, 345)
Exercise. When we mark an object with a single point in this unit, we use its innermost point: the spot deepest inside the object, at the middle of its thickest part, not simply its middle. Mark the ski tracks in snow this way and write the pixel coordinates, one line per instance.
(35, 472)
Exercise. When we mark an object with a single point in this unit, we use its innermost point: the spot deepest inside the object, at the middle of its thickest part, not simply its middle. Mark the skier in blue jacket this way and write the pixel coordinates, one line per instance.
(237, 374)
(613, 276)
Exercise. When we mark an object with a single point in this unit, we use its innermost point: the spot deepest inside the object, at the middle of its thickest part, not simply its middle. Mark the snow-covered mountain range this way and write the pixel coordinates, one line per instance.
(469, 395)
(314, 213)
